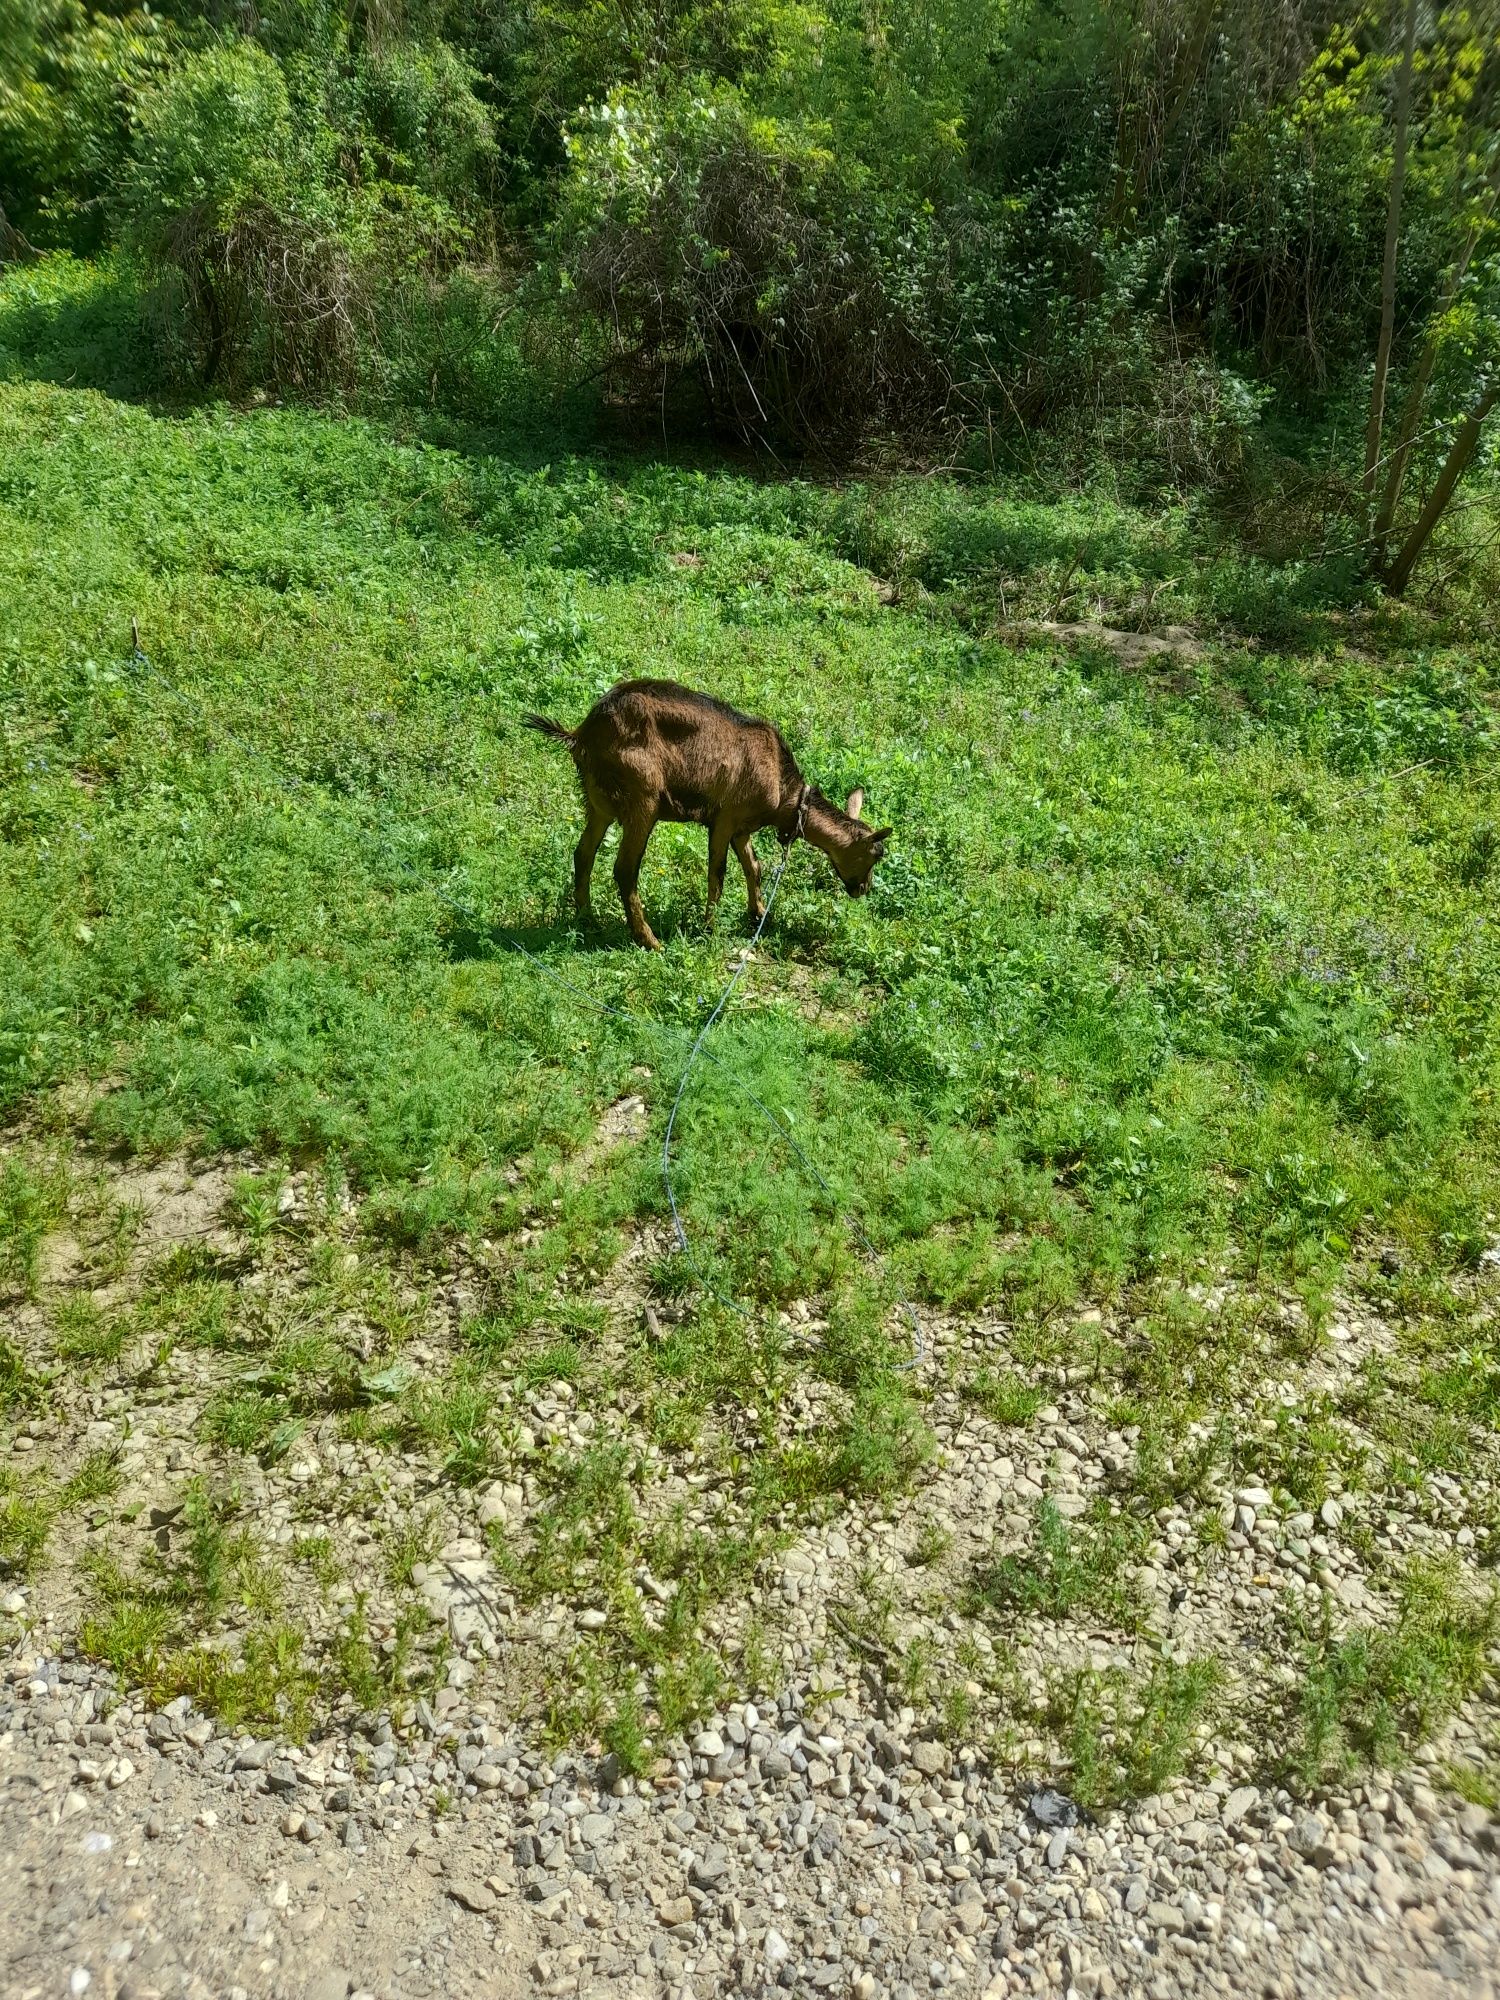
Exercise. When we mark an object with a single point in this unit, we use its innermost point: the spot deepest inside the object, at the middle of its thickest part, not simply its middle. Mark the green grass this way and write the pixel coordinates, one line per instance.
(1144, 975)
(1005, 1398)
(1169, 979)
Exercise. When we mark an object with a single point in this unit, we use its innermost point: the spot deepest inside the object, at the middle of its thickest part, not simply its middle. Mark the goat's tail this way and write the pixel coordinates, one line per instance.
(549, 728)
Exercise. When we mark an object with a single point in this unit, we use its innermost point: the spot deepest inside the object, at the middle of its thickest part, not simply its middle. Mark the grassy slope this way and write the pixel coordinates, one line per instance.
(1159, 977)
(1142, 968)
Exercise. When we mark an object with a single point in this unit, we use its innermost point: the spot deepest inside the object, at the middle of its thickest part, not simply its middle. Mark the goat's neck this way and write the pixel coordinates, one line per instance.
(829, 830)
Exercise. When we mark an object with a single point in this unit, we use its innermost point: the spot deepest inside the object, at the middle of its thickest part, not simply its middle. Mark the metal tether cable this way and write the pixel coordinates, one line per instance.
(290, 783)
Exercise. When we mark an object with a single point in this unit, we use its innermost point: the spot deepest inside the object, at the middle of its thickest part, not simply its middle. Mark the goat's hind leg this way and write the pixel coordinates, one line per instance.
(634, 833)
(600, 819)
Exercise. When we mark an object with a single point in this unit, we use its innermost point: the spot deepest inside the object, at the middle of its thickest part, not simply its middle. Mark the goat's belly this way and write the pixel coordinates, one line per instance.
(688, 808)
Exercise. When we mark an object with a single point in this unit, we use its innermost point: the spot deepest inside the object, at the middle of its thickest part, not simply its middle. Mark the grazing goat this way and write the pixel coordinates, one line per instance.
(651, 750)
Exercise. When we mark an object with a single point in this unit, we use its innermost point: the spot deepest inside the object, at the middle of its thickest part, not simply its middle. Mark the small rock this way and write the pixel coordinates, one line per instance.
(709, 1870)
(329, 1986)
(1050, 1808)
(930, 1758)
(675, 1910)
(472, 1895)
(1239, 1802)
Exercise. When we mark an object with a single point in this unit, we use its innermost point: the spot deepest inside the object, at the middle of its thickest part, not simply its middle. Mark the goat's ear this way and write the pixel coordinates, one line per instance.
(882, 833)
(856, 800)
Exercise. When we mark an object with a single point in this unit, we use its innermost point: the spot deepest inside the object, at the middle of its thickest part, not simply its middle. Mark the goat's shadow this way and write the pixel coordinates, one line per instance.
(466, 938)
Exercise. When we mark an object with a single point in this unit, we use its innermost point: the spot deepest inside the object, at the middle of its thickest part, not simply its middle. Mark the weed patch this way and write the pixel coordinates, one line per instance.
(1370, 1697)
(1126, 1737)
(1069, 1568)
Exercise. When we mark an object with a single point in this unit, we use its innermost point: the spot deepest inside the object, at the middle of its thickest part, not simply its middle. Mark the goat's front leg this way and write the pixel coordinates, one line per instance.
(745, 855)
(718, 855)
(634, 833)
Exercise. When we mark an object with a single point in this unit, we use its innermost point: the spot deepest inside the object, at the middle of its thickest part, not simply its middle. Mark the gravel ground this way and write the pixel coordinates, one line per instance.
(807, 1849)
(870, 1829)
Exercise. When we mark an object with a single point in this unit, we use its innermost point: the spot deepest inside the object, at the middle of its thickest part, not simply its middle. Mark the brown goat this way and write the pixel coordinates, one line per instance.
(651, 750)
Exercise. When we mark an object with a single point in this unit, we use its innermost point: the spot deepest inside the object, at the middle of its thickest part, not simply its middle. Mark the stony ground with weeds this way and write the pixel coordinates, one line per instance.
(305, 1720)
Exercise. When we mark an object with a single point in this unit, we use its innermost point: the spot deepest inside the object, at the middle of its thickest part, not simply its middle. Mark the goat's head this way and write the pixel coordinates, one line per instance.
(855, 857)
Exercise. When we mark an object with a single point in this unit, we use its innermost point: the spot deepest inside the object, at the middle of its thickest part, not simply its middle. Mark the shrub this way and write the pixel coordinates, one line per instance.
(414, 119)
(67, 76)
(740, 253)
(224, 211)
(273, 255)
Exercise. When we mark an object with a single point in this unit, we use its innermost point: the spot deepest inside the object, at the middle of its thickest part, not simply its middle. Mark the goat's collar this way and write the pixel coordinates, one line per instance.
(804, 800)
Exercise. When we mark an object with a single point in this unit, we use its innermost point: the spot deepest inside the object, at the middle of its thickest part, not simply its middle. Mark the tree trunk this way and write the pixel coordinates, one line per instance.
(14, 248)
(1392, 240)
(1416, 394)
(1454, 466)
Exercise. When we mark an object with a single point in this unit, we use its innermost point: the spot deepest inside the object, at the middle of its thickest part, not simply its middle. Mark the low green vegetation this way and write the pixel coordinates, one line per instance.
(1127, 1736)
(1368, 1697)
(1069, 1567)
(1171, 1020)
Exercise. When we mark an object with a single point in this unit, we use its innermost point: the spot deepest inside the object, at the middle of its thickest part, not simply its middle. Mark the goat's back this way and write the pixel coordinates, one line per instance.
(693, 755)
(633, 710)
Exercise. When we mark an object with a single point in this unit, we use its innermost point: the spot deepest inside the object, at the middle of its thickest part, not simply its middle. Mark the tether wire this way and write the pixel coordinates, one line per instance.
(289, 782)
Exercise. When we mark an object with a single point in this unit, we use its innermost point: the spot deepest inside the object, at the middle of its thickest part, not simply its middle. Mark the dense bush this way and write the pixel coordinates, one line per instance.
(1145, 231)
(743, 252)
(223, 200)
(275, 243)
(68, 75)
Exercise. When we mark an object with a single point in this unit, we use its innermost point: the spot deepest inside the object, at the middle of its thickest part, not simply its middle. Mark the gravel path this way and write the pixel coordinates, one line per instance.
(876, 1828)
(809, 1852)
